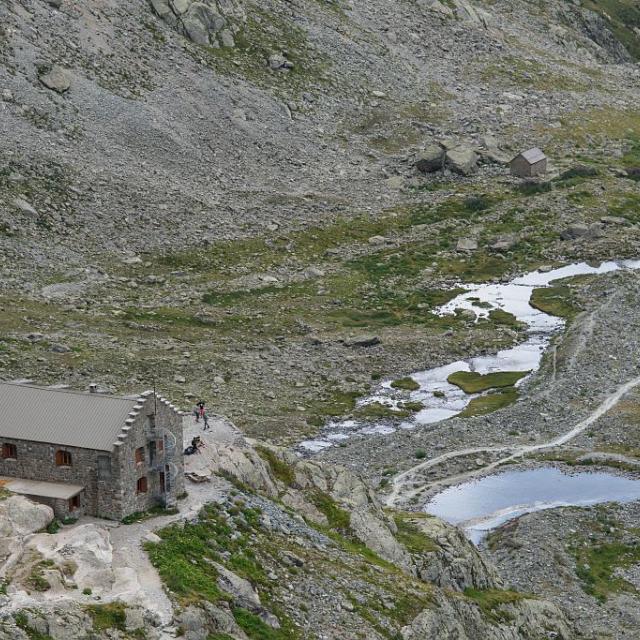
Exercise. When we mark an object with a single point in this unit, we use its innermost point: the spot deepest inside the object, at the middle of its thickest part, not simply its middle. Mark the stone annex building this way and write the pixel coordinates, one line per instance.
(89, 453)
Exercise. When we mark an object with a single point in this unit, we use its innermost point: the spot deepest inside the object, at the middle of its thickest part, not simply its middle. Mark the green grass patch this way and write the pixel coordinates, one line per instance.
(338, 518)
(406, 384)
(36, 579)
(379, 411)
(556, 300)
(411, 406)
(499, 316)
(181, 560)
(153, 512)
(22, 622)
(338, 403)
(411, 537)
(472, 382)
(490, 601)
(489, 403)
(280, 469)
(596, 565)
(255, 628)
(108, 616)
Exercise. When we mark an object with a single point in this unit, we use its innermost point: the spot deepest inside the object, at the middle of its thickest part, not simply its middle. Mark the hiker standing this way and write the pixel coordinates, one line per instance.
(201, 409)
(205, 417)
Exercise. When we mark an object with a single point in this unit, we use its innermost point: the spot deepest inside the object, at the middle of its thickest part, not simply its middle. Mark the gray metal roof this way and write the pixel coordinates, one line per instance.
(59, 490)
(68, 418)
(534, 155)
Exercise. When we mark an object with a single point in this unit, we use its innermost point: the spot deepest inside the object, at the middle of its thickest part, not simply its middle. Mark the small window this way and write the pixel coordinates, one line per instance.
(139, 455)
(74, 503)
(160, 445)
(142, 485)
(63, 458)
(104, 468)
(9, 451)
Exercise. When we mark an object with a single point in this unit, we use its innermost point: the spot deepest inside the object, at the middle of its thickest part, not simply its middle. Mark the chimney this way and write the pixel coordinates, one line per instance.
(93, 388)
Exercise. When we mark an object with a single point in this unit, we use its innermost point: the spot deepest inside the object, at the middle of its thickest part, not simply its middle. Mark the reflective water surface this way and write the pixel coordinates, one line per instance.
(482, 505)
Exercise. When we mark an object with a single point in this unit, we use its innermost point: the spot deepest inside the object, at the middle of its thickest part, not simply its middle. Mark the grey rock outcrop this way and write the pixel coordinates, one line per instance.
(209, 23)
(462, 619)
(455, 564)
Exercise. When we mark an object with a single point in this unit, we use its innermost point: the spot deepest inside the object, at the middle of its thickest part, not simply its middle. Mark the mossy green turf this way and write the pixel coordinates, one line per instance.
(596, 566)
(406, 384)
(472, 382)
(490, 402)
(556, 300)
(490, 601)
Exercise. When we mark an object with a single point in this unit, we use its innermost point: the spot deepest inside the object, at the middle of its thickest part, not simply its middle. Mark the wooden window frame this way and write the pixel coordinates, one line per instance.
(64, 458)
(142, 485)
(140, 455)
(9, 451)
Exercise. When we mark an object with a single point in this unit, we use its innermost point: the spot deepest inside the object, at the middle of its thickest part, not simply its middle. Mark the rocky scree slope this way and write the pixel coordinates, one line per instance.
(142, 125)
(295, 549)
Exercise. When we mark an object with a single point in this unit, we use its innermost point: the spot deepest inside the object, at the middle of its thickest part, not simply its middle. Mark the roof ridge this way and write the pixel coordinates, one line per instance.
(110, 396)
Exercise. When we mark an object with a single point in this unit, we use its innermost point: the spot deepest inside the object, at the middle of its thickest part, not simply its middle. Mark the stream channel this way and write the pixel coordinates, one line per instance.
(441, 399)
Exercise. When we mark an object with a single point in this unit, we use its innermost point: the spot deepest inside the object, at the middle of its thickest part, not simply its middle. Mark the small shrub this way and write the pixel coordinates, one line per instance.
(108, 616)
(477, 203)
(87, 591)
(576, 174)
(533, 187)
(53, 527)
(420, 454)
(634, 173)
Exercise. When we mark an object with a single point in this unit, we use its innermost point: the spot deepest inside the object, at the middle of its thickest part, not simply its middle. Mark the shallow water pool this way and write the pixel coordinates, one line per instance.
(482, 505)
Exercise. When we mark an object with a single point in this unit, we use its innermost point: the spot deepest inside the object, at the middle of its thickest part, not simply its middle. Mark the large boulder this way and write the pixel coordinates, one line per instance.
(466, 244)
(431, 159)
(200, 21)
(20, 517)
(57, 79)
(462, 160)
(83, 554)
